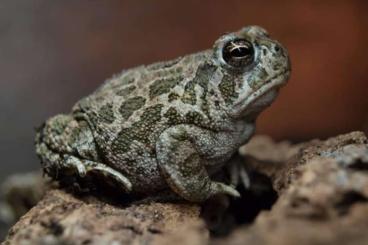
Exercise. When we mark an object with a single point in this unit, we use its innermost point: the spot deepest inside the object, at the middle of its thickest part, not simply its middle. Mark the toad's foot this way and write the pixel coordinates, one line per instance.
(83, 167)
(238, 172)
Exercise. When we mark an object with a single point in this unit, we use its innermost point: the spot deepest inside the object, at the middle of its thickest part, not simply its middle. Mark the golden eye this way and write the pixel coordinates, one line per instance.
(238, 53)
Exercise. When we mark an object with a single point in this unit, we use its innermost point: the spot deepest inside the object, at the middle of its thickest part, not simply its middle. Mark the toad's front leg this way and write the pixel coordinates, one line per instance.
(182, 163)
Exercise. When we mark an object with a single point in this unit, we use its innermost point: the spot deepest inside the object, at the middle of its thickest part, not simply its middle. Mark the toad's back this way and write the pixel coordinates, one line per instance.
(129, 112)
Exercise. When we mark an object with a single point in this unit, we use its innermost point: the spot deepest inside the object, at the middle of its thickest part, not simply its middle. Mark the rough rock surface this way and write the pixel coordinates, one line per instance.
(61, 218)
(319, 196)
(19, 193)
(323, 199)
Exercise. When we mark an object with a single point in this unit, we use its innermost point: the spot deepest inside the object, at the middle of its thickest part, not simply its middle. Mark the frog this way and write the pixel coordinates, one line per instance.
(170, 125)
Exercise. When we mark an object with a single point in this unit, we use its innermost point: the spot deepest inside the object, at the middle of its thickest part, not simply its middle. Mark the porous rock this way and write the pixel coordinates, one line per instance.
(62, 218)
(323, 198)
(322, 189)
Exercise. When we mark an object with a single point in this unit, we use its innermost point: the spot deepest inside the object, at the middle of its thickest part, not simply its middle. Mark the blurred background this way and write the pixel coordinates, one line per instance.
(54, 52)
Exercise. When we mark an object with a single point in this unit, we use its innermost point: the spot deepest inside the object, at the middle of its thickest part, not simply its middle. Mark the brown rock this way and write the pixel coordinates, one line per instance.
(22, 191)
(19, 193)
(324, 201)
(322, 189)
(61, 218)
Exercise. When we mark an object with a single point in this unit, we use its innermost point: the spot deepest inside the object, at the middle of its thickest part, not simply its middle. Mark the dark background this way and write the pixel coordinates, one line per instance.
(54, 52)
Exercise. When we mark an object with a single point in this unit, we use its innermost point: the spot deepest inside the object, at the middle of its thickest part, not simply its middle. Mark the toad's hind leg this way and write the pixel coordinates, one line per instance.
(84, 167)
(67, 148)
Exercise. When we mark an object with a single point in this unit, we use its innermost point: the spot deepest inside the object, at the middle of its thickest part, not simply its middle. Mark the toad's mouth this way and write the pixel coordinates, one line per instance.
(256, 101)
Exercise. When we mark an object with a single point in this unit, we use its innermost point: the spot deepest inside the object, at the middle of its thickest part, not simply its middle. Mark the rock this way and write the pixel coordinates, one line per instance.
(263, 148)
(19, 193)
(311, 193)
(61, 218)
(323, 199)
(22, 191)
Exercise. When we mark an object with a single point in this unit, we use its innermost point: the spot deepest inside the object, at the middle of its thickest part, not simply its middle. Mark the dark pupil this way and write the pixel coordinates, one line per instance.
(241, 51)
(238, 53)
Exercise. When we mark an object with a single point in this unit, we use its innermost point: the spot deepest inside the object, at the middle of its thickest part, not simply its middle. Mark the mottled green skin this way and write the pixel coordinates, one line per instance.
(167, 124)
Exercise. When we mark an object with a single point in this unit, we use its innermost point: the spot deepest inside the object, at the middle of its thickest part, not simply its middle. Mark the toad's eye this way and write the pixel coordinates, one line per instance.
(238, 53)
